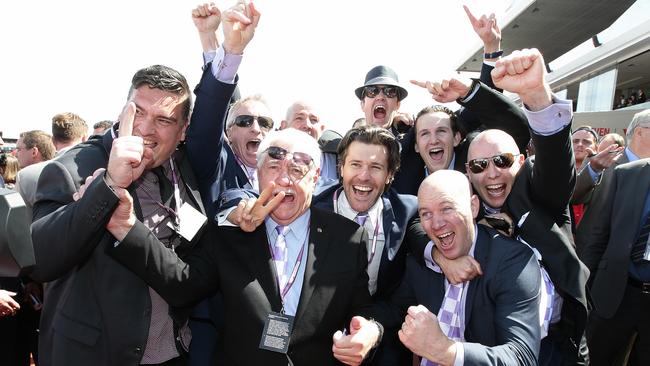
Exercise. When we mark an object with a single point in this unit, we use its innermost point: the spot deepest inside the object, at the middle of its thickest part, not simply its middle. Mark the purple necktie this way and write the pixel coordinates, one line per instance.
(549, 290)
(449, 316)
(280, 255)
(361, 218)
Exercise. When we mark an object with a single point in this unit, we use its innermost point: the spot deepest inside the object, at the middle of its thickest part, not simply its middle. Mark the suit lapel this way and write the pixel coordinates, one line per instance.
(317, 234)
(392, 231)
(633, 185)
(261, 264)
(480, 254)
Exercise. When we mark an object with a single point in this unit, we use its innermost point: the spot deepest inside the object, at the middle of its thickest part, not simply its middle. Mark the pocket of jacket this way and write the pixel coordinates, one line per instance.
(75, 330)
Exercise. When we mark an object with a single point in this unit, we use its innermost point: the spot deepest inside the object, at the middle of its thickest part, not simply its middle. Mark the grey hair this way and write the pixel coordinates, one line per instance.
(640, 119)
(299, 140)
(232, 111)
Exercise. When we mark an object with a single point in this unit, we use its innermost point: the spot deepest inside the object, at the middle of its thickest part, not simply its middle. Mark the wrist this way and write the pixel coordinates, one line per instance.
(537, 99)
(492, 55)
(232, 50)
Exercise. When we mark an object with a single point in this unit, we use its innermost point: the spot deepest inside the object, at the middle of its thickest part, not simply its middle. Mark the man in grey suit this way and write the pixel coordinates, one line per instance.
(614, 241)
(497, 316)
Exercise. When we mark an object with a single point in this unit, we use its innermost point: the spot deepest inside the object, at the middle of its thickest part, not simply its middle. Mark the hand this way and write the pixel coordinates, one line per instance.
(351, 349)
(421, 334)
(446, 91)
(123, 217)
(457, 270)
(80, 193)
(8, 306)
(487, 29)
(250, 213)
(524, 72)
(207, 18)
(405, 118)
(128, 157)
(239, 23)
(605, 158)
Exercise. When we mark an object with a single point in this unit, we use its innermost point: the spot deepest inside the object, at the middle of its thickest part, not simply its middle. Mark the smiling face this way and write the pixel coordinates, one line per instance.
(447, 210)
(365, 174)
(244, 141)
(159, 121)
(494, 184)
(379, 110)
(435, 140)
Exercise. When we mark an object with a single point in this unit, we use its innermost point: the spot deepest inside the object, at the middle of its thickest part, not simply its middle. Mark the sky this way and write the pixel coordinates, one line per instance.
(79, 56)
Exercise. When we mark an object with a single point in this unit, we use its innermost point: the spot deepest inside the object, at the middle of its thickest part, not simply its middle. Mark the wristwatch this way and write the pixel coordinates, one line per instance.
(493, 54)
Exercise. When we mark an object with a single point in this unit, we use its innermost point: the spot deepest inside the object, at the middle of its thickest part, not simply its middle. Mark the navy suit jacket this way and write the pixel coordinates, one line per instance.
(210, 155)
(501, 306)
(398, 215)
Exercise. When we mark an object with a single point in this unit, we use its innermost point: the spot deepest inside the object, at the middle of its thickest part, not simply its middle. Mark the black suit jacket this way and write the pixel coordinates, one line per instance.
(611, 230)
(491, 108)
(335, 286)
(501, 307)
(97, 309)
(398, 215)
(211, 157)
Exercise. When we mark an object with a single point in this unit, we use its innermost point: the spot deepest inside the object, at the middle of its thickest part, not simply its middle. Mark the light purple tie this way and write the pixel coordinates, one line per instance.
(361, 218)
(449, 316)
(549, 288)
(280, 255)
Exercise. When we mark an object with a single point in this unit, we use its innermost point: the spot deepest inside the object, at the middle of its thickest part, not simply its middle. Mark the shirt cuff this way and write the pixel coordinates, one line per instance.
(551, 119)
(490, 63)
(428, 259)
(475, 86)
(209, 57)
(225, 66)
(460, 354)
(222, 217)
(594, 176)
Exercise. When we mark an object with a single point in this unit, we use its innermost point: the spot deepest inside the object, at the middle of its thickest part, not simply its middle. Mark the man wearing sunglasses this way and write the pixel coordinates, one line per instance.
(380, 96)
(535, 193)
(303, 269)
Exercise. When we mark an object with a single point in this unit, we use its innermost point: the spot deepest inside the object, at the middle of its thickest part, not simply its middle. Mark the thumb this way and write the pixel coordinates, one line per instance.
(11, 293)
(337, 336)
(355, 324)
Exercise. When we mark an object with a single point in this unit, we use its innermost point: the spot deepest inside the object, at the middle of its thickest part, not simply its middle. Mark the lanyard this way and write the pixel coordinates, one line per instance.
(294, 272)
(373, 248)
(177, 192)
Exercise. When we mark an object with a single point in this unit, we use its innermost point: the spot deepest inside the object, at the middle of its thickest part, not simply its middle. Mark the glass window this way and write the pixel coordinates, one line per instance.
(597, 93)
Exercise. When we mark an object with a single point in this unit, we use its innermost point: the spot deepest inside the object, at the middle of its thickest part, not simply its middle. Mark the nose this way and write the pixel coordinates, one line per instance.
(492, 171)
(364, 173)
(437, 222)
(283, 178)
(255, 127)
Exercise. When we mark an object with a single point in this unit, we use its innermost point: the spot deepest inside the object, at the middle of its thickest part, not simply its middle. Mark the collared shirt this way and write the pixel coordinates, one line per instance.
(251, 173)
(296, 238)
(375, 216)
(449, 167)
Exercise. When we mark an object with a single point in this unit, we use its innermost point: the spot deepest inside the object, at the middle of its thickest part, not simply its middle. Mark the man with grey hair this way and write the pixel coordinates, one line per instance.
(304, 270)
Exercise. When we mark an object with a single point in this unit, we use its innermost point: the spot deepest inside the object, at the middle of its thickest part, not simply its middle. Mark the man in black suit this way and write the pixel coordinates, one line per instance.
(494, 320)
(305, 266)
(535, 194)
(101, 313)
(613, 241)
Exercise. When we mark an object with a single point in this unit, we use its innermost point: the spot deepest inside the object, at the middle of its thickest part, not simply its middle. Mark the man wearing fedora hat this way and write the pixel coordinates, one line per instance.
(380, 96)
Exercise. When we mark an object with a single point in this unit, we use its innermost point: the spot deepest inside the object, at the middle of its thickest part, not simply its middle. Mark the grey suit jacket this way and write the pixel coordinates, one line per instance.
(585, 185)
(611, 226)
(501, 308)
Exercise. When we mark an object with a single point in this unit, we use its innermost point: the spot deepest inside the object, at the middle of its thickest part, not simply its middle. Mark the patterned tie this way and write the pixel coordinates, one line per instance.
(280, 255)
(361, 218)
(449, 316)
(641, 244)
(549, 291)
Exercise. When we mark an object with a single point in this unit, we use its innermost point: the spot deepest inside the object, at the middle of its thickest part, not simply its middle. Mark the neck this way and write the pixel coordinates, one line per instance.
(639, 150)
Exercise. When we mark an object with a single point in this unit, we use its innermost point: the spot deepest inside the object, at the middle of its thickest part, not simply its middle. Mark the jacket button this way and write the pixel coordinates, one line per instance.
(137, 350)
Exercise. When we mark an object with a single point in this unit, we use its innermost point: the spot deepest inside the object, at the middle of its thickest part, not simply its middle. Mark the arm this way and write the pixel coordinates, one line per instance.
(489, 32)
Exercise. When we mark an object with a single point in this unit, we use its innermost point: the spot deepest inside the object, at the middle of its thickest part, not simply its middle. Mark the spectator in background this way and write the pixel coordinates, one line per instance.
(610, 139)
(381, 96)
(8, 170)
(68, 129)
(33, 147)
(100, 127)
(622, 102)
(640, 96)
(359, 122)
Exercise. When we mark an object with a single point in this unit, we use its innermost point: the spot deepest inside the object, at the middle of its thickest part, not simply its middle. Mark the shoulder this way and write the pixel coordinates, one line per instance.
(500, 246)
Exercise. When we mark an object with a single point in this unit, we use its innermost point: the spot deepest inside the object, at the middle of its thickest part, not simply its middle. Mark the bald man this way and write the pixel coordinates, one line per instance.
(535, 193)
(496, 313)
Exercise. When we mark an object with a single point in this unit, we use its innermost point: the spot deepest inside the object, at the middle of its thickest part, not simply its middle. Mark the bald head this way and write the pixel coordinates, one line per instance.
(447, 210)
(496, 141)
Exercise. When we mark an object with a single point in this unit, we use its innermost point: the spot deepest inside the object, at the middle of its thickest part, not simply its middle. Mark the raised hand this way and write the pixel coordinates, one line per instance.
(605, 158)
(206, 18)
(239, 24)
(523, 72)
(128, 157)
(487, 29)
(351, 349)
(250, 213)
(459, 270)
(82, 190)
(446, 91)
(422, 335)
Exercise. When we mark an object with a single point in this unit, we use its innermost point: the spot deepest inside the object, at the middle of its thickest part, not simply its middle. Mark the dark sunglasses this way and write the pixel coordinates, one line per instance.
(372, 91)
(502, 161)
(299, 158)
(246, 120)
(297, 167)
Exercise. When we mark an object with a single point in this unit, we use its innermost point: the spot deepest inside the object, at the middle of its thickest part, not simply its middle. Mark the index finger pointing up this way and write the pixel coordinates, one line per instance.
(126, 120)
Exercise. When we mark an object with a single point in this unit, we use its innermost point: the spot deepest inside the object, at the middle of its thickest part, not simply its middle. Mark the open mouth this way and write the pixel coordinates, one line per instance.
(379, 112)
(496, 190)
(362, 191)
(436, 153)
(252, 145)
(289, 196)
(149, 144)
(446, 240)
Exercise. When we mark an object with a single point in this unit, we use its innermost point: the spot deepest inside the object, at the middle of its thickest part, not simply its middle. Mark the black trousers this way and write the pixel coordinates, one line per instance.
(611, 340)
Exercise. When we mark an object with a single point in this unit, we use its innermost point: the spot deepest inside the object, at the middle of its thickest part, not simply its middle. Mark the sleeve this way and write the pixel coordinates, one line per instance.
(551, 119)
(224, 66)
(585, 182)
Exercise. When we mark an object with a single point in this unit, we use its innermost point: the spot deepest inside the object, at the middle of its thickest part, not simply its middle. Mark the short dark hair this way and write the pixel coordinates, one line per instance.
(67, 127)
(42, 140)
(105, 125)
(374, 136)
(588, 129)
(453, 120)
(166, 79)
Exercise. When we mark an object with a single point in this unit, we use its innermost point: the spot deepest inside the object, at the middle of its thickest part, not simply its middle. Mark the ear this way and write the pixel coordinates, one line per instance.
(283, 124)
(389, 178)
(187, 123)
(457, 139)
(474, 201)
(316, 176)
(521, 158)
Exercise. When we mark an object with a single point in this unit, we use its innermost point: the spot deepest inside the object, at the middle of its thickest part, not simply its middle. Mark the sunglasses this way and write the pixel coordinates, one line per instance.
(299, 163)
(246, 120)
(502, 161)
(372, 91)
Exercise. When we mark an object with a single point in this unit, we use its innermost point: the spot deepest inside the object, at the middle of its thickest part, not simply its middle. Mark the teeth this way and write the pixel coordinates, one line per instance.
(362, 188)
(380, 107)
(288, 192)
(435, 150)
(444, 236)
(494, 186)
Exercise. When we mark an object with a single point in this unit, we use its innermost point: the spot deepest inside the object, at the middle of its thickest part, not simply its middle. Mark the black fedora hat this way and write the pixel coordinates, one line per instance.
(382, 75)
